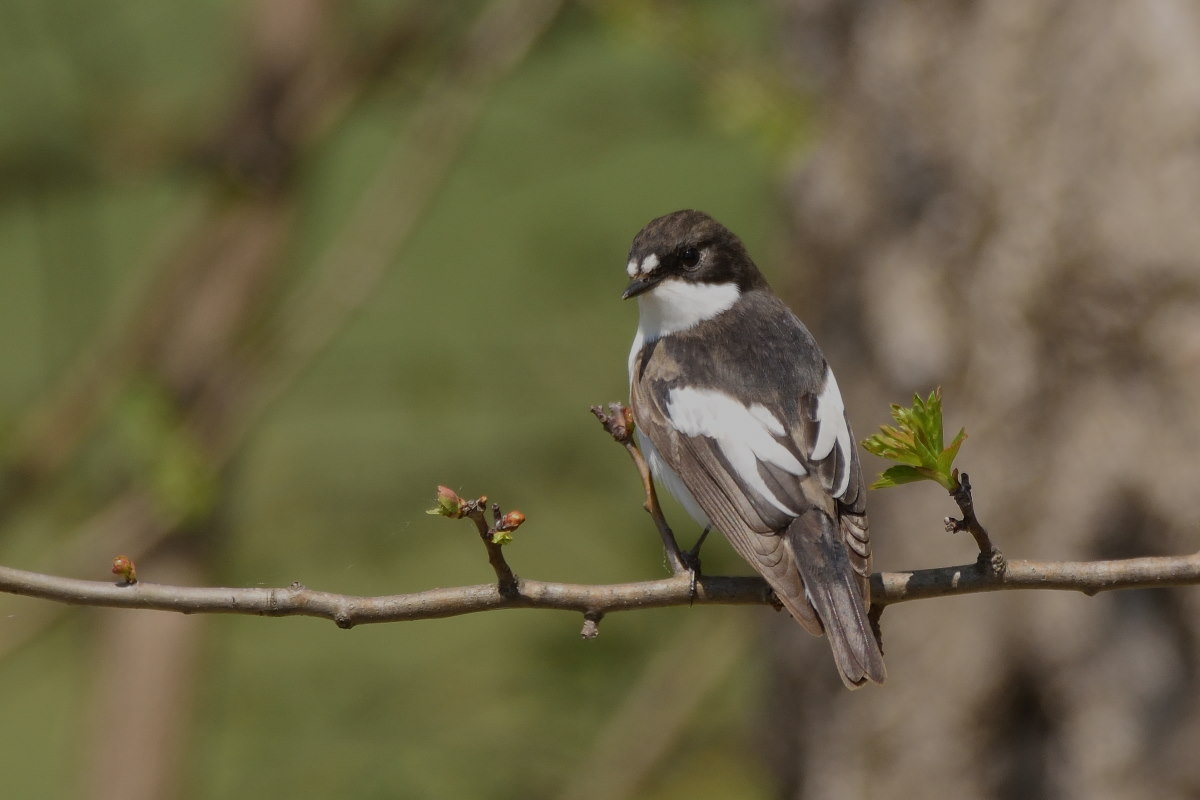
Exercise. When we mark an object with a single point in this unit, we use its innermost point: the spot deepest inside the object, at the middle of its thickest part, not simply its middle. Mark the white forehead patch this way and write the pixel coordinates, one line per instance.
(648, 265)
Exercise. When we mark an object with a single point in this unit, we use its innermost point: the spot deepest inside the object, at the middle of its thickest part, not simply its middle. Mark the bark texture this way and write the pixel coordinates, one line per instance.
(1004, 201)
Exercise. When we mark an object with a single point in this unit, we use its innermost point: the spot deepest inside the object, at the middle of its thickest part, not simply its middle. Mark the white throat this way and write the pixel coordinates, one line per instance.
(676, 305)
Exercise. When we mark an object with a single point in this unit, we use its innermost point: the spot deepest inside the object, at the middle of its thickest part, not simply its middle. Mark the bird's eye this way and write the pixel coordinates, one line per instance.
(689, 257)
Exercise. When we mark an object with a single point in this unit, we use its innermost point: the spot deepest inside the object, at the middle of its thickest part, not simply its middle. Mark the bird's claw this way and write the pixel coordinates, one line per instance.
(691, 562)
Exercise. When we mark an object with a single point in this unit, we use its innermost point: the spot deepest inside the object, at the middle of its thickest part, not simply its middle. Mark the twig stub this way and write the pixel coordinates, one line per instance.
(591, 624)
(617, 421)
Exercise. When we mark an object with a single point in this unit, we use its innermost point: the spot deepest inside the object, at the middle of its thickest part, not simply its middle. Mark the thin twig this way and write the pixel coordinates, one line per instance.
(506, 580)
(619, 424)
(990, 557)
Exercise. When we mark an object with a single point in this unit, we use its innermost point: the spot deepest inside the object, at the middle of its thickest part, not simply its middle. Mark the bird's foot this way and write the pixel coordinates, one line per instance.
(691, 562)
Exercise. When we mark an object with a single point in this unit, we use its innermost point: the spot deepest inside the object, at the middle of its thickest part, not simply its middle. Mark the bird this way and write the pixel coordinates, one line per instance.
(740, 418)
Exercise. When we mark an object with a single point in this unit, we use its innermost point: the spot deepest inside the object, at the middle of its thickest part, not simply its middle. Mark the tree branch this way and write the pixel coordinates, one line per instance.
(888, 588)
(684, 587)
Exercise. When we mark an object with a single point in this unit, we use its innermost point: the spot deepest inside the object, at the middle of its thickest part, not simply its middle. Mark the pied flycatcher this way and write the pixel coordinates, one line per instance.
(740, 417)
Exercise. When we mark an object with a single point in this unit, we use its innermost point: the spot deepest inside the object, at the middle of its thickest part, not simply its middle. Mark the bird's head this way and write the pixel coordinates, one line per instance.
(688, 247)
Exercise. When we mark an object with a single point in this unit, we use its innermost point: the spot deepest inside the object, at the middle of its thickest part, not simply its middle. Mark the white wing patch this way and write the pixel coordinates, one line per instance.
(676, 305)
(833, 431)
(768, 420)
(744, 434)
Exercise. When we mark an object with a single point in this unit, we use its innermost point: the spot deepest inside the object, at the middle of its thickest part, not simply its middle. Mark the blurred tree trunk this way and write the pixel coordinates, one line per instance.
(219, 335)
(193, 325)
(1004, 201)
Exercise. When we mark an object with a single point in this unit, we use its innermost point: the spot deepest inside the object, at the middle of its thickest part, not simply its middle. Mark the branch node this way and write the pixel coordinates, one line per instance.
(343, 620)
(591, 624)
(992, 562)
(509, 585)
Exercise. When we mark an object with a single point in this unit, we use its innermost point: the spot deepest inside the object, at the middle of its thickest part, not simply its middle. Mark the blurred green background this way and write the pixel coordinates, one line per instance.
(269, 272)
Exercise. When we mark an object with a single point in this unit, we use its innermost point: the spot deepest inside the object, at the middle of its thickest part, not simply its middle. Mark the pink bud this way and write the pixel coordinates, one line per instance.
(123, 566)
(448, 503)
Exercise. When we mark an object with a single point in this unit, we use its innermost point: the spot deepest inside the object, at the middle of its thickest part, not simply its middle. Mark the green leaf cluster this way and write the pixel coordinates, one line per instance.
(916, 444)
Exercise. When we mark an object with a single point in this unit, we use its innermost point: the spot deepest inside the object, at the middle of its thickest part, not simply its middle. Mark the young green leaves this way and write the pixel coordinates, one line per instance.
(916, 443)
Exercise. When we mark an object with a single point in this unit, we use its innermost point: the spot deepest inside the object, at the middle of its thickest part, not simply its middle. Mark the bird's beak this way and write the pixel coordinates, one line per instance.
(638, 286)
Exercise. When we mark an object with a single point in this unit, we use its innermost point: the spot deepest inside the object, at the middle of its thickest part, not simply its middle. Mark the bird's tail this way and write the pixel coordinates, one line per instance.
(836, 591)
